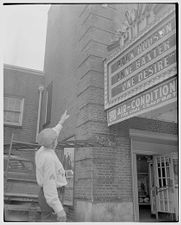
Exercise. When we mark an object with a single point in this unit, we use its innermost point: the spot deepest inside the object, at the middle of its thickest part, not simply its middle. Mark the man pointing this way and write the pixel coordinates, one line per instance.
(50, 174)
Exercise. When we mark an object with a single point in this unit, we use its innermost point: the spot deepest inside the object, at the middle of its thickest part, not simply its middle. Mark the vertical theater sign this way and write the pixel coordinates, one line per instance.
(141, 76)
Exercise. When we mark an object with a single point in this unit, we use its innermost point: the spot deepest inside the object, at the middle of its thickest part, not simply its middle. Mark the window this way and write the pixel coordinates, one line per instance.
(48, 104)
(13, 111)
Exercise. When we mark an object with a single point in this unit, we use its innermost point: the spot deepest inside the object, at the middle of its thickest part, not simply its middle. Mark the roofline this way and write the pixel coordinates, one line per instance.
(23, 69)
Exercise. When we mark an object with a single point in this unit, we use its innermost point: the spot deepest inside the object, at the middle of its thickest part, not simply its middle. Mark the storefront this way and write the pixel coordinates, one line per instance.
(141, 82)
(155, 174)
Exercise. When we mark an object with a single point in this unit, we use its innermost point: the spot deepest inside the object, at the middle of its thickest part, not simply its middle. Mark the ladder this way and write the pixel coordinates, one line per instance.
(19, 206)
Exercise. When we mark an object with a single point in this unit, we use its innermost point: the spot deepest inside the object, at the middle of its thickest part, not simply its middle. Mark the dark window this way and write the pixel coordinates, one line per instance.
(48, 102)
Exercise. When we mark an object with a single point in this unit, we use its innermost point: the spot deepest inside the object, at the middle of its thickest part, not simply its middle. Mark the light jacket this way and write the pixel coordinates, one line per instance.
(50, 174)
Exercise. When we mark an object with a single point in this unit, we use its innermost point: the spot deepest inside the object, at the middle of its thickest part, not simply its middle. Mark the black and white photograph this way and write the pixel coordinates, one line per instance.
(90, 111)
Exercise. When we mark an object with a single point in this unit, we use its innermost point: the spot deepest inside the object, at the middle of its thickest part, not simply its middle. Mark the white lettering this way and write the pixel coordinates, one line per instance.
(112, 115)
(160, 65)
(149, 57)
(138, 64)
(168, 28)
(147, 98)
(140, 77)
(124, 86)
(133, 104)
(155, 37)
(142, 100)
(166, 45)
(145, 74)
(127, 71)
(128, 84)
(121, 110)
(166, 61)
(172, 87)
(143, 61)
(150, 70)
(160, 91)
(137, 102)
(165, 90)
(156, 93)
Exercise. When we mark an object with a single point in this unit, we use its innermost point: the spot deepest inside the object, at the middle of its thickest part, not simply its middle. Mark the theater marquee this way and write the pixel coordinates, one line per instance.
(147, 61)
(161, 95)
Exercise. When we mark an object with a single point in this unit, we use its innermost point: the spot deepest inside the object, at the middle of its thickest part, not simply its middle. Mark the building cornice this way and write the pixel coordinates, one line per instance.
(24, 70)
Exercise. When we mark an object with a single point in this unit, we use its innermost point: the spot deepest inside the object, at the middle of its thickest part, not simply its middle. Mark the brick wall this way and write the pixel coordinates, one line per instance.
(23, 83)
(95, 30)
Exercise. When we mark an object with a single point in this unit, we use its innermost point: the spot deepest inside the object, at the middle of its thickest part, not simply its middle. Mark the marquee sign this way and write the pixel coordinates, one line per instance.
(142, 64)
(154, 98)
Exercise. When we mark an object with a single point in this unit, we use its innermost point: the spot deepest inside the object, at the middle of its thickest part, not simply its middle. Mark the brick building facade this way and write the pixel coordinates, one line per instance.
(22, 83)
(78, 42)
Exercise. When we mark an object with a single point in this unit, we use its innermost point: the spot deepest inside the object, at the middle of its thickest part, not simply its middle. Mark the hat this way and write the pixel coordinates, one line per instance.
(46, 137)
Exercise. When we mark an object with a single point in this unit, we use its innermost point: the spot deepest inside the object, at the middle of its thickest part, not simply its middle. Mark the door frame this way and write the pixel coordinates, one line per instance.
(146, 137)
(135, 182)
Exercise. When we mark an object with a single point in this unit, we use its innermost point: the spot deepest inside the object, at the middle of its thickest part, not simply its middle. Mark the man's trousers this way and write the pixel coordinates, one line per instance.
(47, 213)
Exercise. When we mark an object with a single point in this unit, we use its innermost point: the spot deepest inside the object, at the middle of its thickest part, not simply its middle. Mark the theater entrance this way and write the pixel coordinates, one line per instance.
(156, 187)
(155, 177)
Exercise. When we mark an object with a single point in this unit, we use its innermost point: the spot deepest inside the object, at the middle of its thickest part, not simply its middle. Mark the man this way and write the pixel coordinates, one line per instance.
(50, 174)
